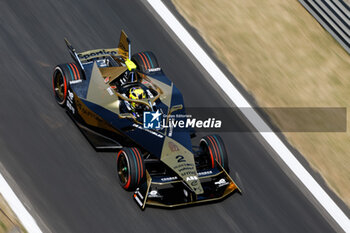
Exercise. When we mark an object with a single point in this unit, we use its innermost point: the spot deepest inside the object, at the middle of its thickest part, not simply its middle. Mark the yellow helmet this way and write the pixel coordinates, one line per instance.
(136, 93)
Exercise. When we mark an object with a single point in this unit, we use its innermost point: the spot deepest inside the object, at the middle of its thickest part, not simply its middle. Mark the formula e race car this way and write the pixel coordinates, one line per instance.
(116, 100)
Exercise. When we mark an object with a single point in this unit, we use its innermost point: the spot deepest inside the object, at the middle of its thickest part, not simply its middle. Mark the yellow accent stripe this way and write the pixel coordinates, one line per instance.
(131, 65)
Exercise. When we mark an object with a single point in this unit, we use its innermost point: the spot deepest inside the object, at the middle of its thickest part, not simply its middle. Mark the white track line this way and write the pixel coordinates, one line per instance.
(271, 138)
(18, 208)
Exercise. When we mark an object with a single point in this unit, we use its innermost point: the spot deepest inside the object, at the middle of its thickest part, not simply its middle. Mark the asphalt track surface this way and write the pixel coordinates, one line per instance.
(66, 185)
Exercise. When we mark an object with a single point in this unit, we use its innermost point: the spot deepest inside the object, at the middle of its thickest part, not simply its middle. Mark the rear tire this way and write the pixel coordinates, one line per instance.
(146, 62)
(130, 168)
(212, 148)
(62, 75)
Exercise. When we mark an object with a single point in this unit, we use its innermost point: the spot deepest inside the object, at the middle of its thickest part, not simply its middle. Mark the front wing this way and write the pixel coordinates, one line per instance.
(174, 192)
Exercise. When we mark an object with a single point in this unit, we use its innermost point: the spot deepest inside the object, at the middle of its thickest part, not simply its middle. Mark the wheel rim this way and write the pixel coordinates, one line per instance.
(123, 171)
(59, 86)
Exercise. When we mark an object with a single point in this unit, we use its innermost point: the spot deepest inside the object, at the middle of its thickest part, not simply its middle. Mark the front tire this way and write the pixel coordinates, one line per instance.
(213, 149)
(130, 168)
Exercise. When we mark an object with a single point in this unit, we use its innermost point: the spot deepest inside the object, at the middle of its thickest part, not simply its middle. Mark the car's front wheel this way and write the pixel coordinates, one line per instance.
(130, 168)
(212, 149)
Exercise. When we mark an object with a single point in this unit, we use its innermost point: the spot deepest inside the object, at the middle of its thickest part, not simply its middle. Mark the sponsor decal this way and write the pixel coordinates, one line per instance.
(149, 131)
(194, 183)
(69, 102)
(191, 178)
(75, 81)
(102, 63)
(173, 147)
(154, 69)
(221, 182)
(139, 194)
(70, 95)
(97, 53)
(169, 178)
(91, 117)
(106, 79)
(205, 173)
(138, 200)
(70, 107)
(149, 93)
(152, 120)
(154, 193)
(186, 169)
(110, 91)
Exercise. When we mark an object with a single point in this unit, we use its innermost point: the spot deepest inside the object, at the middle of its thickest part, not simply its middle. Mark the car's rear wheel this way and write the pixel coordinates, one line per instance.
(130, 168)
(62, 75)
(146, 62)
(212, 149)
(60, 86)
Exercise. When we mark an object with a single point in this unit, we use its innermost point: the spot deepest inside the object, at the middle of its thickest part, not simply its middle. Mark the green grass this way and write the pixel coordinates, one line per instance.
(3, 227)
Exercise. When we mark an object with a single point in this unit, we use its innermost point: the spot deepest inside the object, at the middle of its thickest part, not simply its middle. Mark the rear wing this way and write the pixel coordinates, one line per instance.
(124, 46)
(74, 55)
(123, 50)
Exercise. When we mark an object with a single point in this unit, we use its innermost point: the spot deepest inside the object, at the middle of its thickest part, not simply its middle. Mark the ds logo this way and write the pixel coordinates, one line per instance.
(152, 120)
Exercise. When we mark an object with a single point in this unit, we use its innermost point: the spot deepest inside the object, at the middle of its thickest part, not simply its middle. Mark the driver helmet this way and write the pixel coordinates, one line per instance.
(136, 93)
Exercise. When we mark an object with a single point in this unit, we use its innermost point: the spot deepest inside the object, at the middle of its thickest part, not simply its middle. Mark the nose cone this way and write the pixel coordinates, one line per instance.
(181, 161)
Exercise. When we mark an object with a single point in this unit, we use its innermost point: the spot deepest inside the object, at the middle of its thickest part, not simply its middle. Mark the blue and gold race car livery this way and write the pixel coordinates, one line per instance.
(110, 95)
